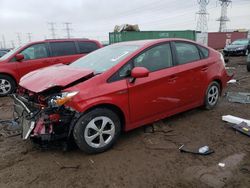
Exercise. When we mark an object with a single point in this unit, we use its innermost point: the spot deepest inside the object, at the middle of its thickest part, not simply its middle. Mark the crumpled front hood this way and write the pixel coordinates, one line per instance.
(46, 78)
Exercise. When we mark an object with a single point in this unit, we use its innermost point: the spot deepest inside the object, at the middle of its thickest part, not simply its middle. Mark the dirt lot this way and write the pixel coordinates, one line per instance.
(141, 159)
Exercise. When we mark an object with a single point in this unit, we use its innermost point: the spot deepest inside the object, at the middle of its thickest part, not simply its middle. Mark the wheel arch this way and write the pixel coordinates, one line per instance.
(219, 82)
(10, 75)
(113, 108)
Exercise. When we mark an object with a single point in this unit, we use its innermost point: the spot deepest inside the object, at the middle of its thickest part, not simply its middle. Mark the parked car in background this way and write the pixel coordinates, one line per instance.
(40, 54)
(238, 47)
(119, 87)
(248, 63)
(3, 52)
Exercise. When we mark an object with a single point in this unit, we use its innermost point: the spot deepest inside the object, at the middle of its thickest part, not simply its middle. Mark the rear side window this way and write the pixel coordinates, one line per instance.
(186, 52)
(63, 48)
(205, 52)
(87, 46)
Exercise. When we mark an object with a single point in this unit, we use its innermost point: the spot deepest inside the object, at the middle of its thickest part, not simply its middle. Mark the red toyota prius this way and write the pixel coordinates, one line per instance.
(118, 88)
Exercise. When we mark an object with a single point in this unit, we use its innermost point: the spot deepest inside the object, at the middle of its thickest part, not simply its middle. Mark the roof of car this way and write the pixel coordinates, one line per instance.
(150, 42)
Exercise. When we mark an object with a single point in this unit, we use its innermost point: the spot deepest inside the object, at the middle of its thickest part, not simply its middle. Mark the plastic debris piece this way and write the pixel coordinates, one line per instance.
(242, 128)
(232, 81)
(239, 97)
(221, 164)
(204, 150)
(235, 120)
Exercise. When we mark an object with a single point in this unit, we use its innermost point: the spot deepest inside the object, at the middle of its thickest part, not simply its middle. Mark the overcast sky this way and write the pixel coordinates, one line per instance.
(95, 18)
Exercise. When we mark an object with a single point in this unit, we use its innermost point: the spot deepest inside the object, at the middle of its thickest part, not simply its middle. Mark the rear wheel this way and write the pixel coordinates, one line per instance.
(248, 66)
(7, 85)
(212, 95)
(247, 52)
(97, 130)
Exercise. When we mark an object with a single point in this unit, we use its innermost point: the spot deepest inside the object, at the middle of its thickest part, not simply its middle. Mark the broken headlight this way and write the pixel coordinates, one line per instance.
(61, 99)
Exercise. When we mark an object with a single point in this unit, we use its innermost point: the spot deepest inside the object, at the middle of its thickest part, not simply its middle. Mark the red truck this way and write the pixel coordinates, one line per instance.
(36, 55)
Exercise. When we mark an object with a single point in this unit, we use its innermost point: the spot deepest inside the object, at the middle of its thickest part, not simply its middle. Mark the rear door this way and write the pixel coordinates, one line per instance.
(191, 73)
(157, 93)
(35, 56)
(64, 52)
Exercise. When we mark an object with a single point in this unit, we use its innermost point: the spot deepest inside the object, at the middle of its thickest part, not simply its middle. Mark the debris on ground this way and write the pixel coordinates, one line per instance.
(238, 97)
(233, 81)
(235, 120)
(221, 164)
(67, 166)
(242, 127)
(204, 150)
(9, 128)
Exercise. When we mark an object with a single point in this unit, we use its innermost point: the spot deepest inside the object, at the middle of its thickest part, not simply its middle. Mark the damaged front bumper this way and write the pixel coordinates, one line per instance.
(42, 123)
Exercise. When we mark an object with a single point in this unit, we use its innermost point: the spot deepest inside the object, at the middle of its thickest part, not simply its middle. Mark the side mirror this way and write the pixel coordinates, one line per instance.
(139, 72)
(19, 57)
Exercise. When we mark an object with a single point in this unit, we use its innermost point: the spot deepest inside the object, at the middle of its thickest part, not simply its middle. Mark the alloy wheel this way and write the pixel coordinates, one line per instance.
(99, 132)
(5, 86)
(213, 95)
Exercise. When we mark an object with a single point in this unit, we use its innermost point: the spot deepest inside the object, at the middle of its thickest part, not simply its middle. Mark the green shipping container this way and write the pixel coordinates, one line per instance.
(142, 35)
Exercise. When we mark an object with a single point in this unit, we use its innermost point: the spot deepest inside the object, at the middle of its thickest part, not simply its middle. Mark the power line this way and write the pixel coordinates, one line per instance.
(52, 29)
(68, 29)
(223, 19)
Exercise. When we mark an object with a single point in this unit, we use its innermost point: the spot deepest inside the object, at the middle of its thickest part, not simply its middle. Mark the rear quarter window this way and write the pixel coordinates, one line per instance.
(204, 51)
(63, 48)
(87, 46)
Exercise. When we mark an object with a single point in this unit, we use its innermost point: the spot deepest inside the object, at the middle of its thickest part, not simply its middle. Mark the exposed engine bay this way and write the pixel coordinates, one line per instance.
(43, 117)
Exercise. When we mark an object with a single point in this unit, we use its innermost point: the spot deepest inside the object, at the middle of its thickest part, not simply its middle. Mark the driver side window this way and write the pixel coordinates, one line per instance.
(36, 51)
(156, 58)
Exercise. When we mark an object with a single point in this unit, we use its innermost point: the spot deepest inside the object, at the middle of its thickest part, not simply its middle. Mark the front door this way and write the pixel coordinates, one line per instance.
(155, 94)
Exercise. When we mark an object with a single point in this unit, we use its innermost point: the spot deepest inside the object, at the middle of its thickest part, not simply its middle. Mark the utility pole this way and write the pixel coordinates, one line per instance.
(29, 36)
(52, 29)
(202, 13)
(12, 44)
(202, 21)
(68, 29)
(19, 40)
(223, 19)
(4, 42)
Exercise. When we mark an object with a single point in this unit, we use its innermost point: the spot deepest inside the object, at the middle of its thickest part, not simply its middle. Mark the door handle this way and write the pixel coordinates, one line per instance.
(172, 79)
(204, 69)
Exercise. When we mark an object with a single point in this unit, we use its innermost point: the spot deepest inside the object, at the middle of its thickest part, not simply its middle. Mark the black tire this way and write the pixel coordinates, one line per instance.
(82, 128)
(211, 102)
(246, 52)
(248, 66)
(4, 80)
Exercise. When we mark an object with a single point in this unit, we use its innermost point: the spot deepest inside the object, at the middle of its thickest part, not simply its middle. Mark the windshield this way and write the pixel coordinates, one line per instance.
(105, 58)
(240, 42)
(10, 53)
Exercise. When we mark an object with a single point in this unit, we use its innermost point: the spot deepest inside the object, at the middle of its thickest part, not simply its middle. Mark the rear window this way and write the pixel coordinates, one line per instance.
(63, 48)
(87, 46)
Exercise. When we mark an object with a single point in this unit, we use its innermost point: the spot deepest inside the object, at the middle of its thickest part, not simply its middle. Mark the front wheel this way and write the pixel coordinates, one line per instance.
(97, 130)
(7, 85)
(212, 95)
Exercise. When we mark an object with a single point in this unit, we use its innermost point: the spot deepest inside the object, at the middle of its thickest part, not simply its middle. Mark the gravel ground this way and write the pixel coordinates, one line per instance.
(141, 159)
